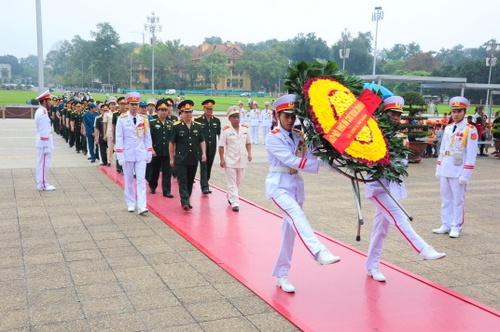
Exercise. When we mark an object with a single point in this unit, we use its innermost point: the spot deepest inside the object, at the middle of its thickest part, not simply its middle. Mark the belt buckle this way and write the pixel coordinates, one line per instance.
(293, 171)
(447, 153)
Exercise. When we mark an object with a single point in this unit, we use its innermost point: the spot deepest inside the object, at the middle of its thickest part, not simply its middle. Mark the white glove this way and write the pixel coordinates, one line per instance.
(463, 180)
(148, 160)
(329, 167)
(438, 176)
(121, 162)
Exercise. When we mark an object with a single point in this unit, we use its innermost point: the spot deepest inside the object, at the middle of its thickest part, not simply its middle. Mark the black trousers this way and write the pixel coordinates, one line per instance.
(160, 163)
(185, 179)
(103, 147)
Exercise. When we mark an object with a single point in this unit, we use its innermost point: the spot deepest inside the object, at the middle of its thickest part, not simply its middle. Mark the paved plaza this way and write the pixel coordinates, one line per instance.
(75, 260)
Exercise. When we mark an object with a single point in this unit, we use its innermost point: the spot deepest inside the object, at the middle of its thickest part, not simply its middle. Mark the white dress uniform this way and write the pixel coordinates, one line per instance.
(388, 212)
(108, 119)
(267, 121)
(285, 188)
(44, 145)
(235, 156)
(255, 119)
(455, 164)
(244, 117)
(134, 150)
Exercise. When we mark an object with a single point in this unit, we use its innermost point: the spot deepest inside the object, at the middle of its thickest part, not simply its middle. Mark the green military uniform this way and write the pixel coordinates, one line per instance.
(172, 118)
(161, 134)
(103, 145)
(211, 130)
(187, 156)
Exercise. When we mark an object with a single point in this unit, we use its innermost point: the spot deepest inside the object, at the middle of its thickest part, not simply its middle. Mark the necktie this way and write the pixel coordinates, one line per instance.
(135, 120)
(454, 128)
(291, 136)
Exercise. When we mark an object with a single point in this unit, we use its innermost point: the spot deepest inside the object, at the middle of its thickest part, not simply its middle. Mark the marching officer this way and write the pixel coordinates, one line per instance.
(235, 150)
(457, 158)
(388, 212)
(44, 142)
(286, 155)
(187, 146)
(161, 132)
(100, 134)
(211, 132)
(133, 151)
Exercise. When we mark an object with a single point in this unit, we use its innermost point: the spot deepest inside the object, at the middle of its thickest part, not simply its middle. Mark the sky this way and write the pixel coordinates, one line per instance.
(433, 24)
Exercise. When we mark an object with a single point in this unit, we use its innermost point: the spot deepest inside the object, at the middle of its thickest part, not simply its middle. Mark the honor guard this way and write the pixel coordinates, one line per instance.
(287, 155)
(133, 151)
(255, 121)
(44, 142)
(387, 212)
(243, 114)
(187, 148)
(267, 120)
(456, 161)
(235, 150)
(211, 132)
(161, 132)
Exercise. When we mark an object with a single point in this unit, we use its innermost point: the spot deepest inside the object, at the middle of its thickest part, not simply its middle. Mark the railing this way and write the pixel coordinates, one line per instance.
(17, 112)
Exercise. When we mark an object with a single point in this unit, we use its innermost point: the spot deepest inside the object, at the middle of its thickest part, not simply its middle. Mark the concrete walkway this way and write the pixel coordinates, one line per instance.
(75, 260)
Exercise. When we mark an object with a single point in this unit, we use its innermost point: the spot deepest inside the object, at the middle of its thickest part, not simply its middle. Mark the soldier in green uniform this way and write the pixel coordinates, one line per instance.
(170, 116)
(161, 132)
(187, 145)
(75, 121)
(211, 132)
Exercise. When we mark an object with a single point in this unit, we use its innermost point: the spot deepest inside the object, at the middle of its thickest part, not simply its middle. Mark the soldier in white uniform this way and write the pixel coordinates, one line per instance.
(234, 151)
(244, 118)
(455, 164)
(255, 121)
(44, 142)
(388, 212)
(108, 128)
(267, 120)
(134, 150)
(286, 155)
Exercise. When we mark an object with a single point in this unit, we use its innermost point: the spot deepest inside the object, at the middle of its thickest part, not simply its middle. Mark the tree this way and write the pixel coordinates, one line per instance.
(265, 68)
(360, 60)
(15, 67)
(30, 61)
(213, 40)
(421, 61)
(214, 67)
(105, 50)
(308, 48)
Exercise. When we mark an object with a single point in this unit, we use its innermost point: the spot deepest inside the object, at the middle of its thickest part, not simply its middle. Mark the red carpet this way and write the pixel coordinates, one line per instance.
(337, 297)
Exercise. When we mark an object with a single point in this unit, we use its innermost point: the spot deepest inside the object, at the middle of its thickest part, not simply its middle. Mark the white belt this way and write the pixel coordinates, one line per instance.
(447, 153)
(283, 169)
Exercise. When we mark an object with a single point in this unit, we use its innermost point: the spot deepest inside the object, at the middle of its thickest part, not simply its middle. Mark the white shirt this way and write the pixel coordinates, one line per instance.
(44, 137)
(234, 144)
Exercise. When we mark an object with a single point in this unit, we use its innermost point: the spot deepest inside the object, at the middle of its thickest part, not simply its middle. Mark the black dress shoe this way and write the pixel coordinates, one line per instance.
(190, 206)
(169, 195)
(152, 191)
(185, 207)
(102, 164)
(206, 192)
(236, 208)
(209, 191)
(109, 164)
(92, 160)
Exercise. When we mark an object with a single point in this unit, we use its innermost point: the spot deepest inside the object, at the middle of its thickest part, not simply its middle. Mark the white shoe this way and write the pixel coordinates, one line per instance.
(285, 284)
(143, 211)
(324, 257)
(441, 230)
(429, 253)
(48, 188)
(130, 209)
(454, 233)
(376, 274)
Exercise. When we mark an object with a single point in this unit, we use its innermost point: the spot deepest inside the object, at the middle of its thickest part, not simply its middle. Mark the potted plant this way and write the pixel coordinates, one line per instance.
(414, 124)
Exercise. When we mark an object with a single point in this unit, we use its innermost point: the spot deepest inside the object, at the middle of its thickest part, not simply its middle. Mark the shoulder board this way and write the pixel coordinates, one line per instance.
(199, 116)
(153, 120)
(224, 128)
(299, 131)
(123, 116)
(274, 131)
(470, 126)
(246, 126)
(144, 116)
(198, 123)
(99, 116)
(216, 117)
(115, 112)
(177, 122)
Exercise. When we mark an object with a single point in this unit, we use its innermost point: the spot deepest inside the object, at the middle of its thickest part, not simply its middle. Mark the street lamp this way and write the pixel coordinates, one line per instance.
(492, 49)
(344, 52)
(153, 26)
(377, 15)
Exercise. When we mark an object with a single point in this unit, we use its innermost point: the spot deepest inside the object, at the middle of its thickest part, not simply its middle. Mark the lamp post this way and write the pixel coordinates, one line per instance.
(153, 26)
(344, 52)
(492, 49)
(377, 15)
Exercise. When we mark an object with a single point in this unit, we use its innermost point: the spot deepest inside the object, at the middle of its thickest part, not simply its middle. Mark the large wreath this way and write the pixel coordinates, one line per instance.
(376, 152)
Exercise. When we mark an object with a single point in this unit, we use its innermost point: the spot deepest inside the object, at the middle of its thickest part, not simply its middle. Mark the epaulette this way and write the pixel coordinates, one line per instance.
(153, 120)
(216, 117)
(199, 116)
(99, 116)
(274, 131)
(246, 126)
(471, 126)
(144, 116)
(116, 111)
(177, 122)
(123, 115)
(198, 123)
(224, 128)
